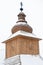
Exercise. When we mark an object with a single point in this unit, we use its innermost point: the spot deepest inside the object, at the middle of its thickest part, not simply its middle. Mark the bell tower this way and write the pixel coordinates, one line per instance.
(22, 40)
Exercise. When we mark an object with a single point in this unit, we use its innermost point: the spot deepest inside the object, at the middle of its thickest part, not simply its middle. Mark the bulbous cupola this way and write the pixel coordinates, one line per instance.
(21, 24)
(21, 17)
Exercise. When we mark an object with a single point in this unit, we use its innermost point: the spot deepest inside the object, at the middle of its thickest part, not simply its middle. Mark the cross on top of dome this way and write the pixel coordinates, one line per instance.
(21, 15)
(21, 7)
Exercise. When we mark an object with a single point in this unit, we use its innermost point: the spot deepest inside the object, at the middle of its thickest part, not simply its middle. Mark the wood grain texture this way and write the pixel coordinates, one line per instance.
(22, 45)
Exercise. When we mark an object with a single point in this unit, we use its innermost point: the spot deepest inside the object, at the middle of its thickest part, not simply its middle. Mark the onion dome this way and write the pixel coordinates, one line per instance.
(22, 27)
(21, 24)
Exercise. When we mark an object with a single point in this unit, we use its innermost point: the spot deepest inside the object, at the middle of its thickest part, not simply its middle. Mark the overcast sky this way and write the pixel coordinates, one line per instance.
(9, 10)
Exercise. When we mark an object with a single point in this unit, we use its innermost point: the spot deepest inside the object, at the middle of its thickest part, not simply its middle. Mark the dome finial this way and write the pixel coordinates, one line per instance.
(21, 7)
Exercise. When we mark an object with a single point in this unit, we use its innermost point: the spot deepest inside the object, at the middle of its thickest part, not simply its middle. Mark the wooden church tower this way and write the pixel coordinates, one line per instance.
(22, 41)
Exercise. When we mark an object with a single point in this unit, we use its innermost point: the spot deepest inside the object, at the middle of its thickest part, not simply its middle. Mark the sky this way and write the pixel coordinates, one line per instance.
(9, 9)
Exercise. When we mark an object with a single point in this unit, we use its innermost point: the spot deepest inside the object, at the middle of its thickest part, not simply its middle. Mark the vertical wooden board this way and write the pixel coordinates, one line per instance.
(30, 47)
(22, 46)
(17, 46)
(11, 48)
(36, 46)
(27, 46)
(8, 50)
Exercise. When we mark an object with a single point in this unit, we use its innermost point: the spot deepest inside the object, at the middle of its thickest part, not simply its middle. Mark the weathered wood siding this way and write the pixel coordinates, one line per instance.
(22, 45)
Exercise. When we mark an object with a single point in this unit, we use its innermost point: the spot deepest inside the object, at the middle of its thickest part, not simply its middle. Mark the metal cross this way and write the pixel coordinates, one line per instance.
(21, 7)
(21, 4)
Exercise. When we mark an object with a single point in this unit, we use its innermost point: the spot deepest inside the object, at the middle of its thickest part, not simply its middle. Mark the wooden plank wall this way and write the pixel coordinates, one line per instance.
(22, 46)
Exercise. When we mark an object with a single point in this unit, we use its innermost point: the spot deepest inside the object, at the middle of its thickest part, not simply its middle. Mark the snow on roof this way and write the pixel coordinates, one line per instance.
(22, 23)
(24, 60)
(15, 60)
(31, 60)
(23, 33)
